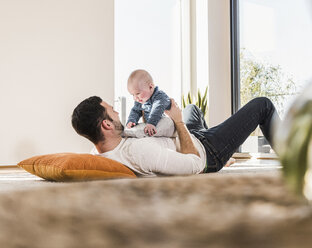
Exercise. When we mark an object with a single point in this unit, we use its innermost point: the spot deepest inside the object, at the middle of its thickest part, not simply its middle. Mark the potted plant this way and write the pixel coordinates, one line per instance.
(201, 101)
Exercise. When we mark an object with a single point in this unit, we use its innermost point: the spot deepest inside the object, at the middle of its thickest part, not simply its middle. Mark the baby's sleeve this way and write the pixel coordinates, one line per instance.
(135, 113)
(161, 102)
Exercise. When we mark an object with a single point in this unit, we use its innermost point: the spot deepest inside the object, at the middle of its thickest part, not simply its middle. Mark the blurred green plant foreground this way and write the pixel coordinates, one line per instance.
(293, 142)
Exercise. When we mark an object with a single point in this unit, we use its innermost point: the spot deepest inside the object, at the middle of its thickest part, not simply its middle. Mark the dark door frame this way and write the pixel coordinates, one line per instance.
(235, 52)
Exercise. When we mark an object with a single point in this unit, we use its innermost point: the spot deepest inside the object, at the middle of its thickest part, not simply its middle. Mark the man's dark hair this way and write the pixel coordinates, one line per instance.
(87, 118)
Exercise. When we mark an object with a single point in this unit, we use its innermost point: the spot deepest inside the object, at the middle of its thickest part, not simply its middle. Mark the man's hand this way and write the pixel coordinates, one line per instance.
(130, 124)
(186, 142)
(175, 112)
(150, 129)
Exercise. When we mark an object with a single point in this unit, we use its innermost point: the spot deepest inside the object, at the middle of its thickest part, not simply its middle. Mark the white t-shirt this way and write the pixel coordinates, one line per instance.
(152, 156)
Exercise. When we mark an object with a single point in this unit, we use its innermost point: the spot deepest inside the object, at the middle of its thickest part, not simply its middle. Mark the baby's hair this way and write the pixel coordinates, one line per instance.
(140, 75)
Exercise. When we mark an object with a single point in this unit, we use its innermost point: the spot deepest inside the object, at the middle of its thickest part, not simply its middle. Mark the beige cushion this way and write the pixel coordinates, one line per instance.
(75, 167)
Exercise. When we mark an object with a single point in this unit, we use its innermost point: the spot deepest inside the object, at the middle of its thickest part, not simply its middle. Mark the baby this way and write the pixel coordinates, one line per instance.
(150, 102)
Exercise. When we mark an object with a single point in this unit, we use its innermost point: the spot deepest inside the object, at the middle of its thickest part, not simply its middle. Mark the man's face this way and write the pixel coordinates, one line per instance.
(114, 115)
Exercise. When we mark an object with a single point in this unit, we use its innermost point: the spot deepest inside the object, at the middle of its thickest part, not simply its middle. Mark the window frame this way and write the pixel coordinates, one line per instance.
(235, 53)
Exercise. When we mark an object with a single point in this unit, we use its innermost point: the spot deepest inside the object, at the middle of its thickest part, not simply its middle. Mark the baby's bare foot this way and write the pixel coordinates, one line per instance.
(229, 162)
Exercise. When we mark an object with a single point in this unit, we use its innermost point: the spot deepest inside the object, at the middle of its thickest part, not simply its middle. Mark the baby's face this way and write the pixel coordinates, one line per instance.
(141, 91)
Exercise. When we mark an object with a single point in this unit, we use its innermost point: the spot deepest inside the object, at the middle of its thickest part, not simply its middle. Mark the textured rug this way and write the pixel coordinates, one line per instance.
(215, 210)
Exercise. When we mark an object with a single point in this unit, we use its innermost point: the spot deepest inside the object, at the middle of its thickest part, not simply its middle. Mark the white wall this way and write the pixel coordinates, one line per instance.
(219, 61)
(53, 54)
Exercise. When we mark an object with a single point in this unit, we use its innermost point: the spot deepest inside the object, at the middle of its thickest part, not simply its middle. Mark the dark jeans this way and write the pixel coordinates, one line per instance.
(222, 141)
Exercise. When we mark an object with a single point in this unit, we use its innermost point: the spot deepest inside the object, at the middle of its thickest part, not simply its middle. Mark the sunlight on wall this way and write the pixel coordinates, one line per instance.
(202, 44)
(147, 36)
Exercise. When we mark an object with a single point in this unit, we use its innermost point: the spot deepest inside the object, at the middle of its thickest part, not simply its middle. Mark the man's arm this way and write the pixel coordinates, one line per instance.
(150, 155)
(186, 142)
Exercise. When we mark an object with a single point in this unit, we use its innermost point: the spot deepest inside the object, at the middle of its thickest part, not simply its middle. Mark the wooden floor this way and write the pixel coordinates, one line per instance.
(253, 165)
(14, 178)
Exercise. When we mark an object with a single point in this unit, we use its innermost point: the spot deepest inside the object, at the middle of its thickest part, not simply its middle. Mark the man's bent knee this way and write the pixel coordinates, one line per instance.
(262, 99)
(191, 107)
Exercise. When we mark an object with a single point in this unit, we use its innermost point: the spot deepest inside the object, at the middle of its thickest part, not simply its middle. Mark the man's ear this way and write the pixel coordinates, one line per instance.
(106, 124)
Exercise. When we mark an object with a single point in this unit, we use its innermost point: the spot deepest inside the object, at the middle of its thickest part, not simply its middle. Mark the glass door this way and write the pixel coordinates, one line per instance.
(275, 54)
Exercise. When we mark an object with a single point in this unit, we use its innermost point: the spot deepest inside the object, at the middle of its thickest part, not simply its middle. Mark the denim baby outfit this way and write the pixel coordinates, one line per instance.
(153, 109)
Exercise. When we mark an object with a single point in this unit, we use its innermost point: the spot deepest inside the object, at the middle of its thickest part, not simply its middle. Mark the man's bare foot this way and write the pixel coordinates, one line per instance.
(229, 162)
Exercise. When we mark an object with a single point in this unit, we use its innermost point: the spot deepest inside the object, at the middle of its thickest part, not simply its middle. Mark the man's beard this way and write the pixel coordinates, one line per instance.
(118, 126)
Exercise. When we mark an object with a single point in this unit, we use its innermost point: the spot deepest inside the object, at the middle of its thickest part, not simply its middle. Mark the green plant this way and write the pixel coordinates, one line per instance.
(294, 145)
(295, 159)
(200, 101)
(259, 78)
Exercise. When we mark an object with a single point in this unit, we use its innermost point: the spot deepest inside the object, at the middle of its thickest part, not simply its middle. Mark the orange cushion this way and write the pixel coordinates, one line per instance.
(75, 167)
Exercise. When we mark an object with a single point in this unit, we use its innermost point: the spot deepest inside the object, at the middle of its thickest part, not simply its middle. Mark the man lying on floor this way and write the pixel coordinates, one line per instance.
(196, 149)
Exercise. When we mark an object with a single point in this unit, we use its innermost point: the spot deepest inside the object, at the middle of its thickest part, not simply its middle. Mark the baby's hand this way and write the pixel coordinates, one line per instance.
(150, 129)
(130, 124)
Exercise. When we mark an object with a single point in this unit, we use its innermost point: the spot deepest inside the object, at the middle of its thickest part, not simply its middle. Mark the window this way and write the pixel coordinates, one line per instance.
(274, 51)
